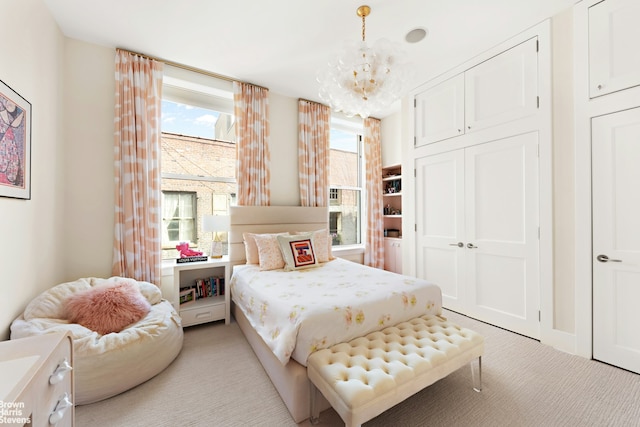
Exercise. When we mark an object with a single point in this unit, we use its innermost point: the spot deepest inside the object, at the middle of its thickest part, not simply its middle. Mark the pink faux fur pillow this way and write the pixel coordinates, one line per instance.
(107, 308)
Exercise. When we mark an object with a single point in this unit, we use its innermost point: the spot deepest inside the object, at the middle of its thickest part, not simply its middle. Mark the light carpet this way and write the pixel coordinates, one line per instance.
(217, 381)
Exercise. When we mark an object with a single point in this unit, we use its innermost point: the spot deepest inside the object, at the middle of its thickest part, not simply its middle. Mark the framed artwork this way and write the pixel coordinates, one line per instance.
(187, 296)
(15, 144)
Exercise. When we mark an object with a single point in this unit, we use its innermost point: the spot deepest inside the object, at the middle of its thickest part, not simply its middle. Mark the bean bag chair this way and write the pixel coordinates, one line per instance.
(123, 332)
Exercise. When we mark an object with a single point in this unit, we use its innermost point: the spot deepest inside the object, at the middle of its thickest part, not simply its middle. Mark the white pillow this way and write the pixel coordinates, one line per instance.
(270, 257)
(297, 251)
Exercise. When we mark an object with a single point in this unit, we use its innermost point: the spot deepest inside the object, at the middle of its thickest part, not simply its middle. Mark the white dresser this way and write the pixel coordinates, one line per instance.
(37, 381)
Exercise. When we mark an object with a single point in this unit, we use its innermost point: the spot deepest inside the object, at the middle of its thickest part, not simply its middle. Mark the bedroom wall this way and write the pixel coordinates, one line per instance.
(391, 137)
(88, 181)
(563, 172)
(33, 242)
(284, 150)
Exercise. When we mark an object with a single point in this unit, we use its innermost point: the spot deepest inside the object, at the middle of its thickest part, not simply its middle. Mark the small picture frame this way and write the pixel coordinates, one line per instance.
(187, 296)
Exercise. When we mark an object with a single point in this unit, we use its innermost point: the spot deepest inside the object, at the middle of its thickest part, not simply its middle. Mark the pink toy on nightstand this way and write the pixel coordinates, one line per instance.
(183, 247)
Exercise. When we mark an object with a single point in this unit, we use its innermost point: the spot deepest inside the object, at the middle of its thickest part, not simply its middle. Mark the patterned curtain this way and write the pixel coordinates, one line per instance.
(313, 152)
(374, 248)
(137, 239)
(251, 109)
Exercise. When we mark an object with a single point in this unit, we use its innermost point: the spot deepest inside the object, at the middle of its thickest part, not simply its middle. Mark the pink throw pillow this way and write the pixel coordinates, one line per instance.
(107, 308)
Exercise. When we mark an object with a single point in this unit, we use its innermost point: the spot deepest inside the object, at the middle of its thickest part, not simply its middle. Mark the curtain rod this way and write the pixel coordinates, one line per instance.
(187, 67)
(309, 100)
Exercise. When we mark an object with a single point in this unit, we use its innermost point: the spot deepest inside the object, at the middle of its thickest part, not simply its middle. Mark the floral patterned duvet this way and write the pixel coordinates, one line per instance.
(299, 312)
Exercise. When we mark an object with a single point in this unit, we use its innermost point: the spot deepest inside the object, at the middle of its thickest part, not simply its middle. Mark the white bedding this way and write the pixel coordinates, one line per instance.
(299, 312)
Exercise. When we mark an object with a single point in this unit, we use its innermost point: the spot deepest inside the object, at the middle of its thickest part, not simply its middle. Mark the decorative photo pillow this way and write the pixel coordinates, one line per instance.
(297, 251)
(322, 244)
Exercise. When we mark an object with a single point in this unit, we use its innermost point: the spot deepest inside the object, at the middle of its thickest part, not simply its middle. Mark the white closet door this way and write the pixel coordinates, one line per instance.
(439, 112)
(616, 238)
(503, 88)
(440, 224)
(501, 199)
(614, 57)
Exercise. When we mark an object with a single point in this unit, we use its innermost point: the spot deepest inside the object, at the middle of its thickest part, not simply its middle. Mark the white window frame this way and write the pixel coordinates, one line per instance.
(355, 126)
(190, 87)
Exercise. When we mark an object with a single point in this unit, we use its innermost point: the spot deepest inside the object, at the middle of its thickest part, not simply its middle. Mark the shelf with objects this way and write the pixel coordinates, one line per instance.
(203, 291)
(392, 217)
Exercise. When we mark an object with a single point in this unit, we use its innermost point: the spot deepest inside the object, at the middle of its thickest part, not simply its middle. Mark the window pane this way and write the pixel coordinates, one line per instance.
(345, 190)
(173, 230)
(186, 207)
(344, 159)
(345, 220)
(178, 220)
(198, 173)
(190, 120)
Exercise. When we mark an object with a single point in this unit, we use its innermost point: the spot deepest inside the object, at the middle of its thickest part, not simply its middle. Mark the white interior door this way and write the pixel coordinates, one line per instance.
(501, 199)
(616, 238)
(440, 224)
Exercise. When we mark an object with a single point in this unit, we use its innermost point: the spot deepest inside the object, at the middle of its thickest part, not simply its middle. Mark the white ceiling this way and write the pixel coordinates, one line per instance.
(281, 44)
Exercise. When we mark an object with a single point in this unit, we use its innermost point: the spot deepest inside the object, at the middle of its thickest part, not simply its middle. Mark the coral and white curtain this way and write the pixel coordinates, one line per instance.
(137, 237)
(374, 248)
(251, 109)
(314, 129)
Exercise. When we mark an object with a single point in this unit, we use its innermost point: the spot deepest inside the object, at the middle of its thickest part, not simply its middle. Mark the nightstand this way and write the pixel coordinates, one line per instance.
(210, 306)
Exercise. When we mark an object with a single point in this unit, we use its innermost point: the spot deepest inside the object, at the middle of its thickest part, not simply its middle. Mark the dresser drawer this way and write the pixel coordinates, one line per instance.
(53, 382)
(202, 313)
(36, 393)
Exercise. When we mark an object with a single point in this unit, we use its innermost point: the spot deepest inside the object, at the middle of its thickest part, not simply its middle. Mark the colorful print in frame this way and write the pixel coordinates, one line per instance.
(15, 144)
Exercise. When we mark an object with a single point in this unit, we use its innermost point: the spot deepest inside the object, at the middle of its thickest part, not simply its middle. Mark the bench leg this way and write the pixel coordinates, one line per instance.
(314, 417)
(476, 374)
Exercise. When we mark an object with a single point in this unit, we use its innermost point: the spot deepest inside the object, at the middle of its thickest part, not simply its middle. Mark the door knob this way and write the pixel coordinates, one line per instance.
(471, 246)
(604, 258)
(459, 244)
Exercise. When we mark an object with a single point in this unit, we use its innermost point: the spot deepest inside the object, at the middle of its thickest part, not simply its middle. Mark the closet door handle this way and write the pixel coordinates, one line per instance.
(471, 246)
(604, 258)
(459, 244)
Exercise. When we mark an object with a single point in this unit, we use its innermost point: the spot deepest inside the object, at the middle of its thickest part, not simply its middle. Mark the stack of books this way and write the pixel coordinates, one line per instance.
(202, 288)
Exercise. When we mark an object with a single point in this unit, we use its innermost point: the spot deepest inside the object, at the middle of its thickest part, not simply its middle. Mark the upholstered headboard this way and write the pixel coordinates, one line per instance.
(271, 219)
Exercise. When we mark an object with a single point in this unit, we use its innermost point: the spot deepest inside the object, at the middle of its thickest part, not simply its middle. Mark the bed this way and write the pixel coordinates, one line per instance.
(287, 315)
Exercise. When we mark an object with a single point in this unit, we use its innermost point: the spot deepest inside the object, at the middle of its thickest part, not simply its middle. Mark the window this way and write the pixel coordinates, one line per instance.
(334, 196)
(179, 217)
(198, 157)
(345, 184)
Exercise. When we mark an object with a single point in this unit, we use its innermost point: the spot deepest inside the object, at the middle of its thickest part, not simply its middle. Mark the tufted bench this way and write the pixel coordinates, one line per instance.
(365, 377)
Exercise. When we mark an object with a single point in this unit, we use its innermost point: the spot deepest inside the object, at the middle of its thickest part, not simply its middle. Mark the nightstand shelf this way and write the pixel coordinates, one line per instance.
(206, 309)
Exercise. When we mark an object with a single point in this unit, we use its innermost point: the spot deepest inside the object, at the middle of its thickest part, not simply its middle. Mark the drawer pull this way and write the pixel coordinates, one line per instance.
(61, 408)
(60, 372)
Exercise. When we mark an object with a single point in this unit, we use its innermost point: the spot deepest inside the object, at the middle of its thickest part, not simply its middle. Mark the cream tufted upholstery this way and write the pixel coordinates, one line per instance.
(363, 378)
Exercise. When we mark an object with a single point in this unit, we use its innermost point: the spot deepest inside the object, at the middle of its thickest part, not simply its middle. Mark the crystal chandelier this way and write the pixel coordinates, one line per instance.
(362, 79)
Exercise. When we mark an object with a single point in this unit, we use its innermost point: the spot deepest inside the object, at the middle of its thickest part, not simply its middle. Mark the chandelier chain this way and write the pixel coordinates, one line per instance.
(363, 27)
